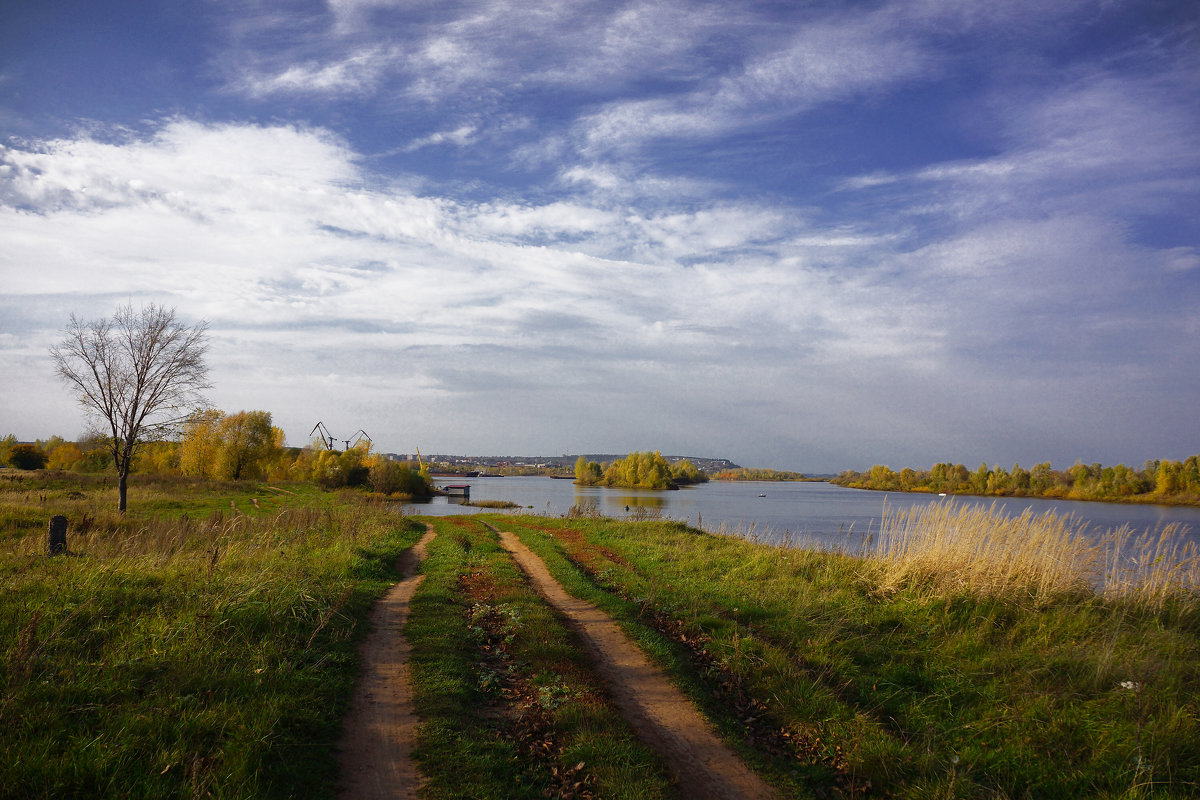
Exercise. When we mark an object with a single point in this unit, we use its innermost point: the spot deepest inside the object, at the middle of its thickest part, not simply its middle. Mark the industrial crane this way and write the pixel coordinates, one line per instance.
(328, 438)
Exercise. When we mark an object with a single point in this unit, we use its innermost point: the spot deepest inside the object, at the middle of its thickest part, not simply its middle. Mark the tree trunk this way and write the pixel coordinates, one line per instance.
(122, 489)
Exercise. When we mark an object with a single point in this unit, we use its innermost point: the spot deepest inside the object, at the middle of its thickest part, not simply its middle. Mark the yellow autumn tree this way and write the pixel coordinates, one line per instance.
(236, 446)
(65, 456)
(198, 450)
(157, 458)
(248, 445)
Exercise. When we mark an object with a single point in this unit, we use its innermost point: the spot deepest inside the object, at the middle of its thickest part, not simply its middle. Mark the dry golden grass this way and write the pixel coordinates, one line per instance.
(109, 535)
(1038, 557)
(1152, 568)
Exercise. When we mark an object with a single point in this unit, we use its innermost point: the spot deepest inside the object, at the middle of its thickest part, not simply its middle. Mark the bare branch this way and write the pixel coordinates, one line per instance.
(140, 372)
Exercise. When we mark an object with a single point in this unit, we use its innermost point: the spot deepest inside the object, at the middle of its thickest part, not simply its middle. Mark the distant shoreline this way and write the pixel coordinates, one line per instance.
(1130, 500)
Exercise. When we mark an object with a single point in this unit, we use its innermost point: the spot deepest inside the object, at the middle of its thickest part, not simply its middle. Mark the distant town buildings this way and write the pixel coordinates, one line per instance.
(565, 462)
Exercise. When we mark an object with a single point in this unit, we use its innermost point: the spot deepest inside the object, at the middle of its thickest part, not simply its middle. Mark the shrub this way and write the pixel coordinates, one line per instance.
(27, 456)
(392, 477)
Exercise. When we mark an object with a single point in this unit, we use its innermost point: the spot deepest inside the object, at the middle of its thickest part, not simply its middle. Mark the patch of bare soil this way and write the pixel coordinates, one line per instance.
(702, 766)
(377, 738)
(580, 546)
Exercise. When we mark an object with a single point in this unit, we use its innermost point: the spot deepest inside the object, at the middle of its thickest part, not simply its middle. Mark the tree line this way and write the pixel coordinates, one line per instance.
(1157, 480)
(648, 470)
(240, 446)
(758, 474)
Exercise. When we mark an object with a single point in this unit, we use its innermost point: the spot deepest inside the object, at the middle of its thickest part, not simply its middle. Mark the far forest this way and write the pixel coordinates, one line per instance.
(1173, 482)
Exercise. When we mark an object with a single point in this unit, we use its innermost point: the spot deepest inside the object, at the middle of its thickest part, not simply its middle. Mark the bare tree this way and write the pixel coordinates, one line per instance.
(139, 372)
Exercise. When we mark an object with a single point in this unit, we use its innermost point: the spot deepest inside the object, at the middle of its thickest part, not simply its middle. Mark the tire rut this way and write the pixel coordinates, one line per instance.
(663, 717)
(378, 733)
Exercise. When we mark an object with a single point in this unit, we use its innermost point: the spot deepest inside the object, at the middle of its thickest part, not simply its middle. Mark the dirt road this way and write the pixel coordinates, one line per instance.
(377, 740)
(703, 767)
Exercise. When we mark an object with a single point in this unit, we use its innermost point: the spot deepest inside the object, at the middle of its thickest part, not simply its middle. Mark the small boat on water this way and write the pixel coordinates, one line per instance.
(762, 494)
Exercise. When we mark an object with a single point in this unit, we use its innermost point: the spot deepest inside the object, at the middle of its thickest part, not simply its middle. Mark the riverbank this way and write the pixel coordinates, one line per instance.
(837, 675)
(1149, 499)
(195, 645)
(189, 648)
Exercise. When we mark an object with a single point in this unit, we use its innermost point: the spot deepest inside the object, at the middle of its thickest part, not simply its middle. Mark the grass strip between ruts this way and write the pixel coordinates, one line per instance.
(507, 702)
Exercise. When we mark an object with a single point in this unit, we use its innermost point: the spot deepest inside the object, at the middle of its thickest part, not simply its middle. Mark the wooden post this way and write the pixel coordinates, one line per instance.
(58, 535)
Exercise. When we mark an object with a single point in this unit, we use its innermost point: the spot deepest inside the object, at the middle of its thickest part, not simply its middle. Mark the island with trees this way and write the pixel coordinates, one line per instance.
(648, 470)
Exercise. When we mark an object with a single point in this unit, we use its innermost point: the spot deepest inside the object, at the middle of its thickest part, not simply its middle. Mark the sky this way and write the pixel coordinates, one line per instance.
(800, 235)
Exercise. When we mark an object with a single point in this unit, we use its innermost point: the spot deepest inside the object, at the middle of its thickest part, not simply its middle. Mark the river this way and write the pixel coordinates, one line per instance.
(822, 514)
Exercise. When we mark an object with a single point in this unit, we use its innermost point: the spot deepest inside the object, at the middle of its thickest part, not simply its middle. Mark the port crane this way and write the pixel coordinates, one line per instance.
(328, 438)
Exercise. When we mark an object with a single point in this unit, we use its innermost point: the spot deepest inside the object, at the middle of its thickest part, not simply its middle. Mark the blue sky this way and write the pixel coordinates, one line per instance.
(812, 236)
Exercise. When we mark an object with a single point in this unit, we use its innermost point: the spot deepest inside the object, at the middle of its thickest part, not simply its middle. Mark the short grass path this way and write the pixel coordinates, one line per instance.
(664, 718)
(377, 740)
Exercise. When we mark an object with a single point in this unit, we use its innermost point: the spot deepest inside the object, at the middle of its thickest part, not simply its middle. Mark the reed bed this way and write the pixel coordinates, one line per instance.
(1152, 569)
(952, 548)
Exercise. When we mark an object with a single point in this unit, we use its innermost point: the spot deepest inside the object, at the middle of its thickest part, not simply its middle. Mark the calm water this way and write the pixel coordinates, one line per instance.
(826, 515)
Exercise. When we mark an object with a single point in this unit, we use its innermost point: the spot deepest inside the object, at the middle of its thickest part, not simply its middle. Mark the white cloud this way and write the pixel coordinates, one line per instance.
(353, 15)
(275, 225)
(359, 73)
(1120, 147)
(298, 268)
(1181, 259)
(824, 60)
(460, 137)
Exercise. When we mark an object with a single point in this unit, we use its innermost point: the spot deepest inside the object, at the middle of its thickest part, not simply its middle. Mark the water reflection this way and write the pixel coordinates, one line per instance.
(631, 501)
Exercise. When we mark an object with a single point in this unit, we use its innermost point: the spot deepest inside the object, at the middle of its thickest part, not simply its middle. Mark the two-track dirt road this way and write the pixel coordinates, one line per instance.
(664, 718)
(376, 758)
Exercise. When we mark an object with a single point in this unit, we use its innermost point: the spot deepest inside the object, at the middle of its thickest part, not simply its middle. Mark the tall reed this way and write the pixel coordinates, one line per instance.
(1153, 568)
(980, 549)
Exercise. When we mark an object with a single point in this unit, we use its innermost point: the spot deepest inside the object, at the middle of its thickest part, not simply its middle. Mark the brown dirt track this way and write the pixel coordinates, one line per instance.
(379, 732)
(377, 739)
(702, 766)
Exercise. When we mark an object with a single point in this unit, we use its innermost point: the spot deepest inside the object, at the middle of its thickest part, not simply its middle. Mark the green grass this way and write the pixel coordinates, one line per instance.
(211, 655)
(921, 693)
(503, 690)
(190, 648)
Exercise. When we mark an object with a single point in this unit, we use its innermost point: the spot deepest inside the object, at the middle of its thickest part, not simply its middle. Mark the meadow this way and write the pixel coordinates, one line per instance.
(203, 645)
